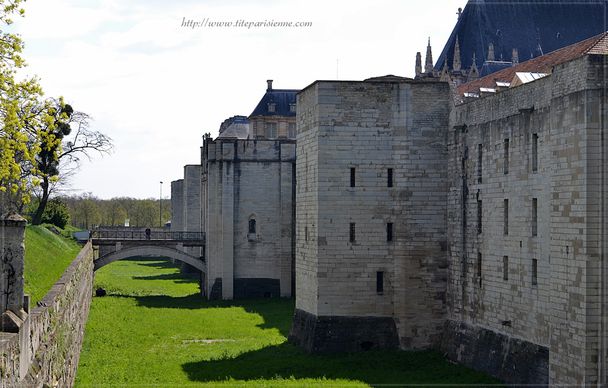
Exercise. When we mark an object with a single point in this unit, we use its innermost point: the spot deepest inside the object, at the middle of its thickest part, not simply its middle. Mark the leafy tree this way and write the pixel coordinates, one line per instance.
(56, 213)
(18, 100)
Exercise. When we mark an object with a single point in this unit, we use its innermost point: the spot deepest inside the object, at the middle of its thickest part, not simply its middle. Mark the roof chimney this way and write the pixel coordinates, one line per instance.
(418, 64)
(515, 56)
(269, 88)
(491, 52)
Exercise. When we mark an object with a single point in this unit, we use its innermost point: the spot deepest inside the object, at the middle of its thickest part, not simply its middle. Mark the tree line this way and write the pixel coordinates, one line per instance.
(86, 211)
(42, 139)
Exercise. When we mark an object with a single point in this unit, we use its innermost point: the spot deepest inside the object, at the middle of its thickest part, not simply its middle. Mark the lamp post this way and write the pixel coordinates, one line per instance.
(160, 202)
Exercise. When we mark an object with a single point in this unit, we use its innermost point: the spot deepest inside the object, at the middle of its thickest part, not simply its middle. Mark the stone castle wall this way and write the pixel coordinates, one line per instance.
(527, 325)
(245, 181)
(46, 350)
(352, 281)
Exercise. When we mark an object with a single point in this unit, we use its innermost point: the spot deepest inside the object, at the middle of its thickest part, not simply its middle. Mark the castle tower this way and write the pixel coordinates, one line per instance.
(418, 64)
(428, 63)
(382, 291)
(456, 66)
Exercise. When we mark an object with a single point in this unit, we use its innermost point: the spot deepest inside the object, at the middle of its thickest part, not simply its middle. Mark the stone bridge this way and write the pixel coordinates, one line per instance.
(122, 243)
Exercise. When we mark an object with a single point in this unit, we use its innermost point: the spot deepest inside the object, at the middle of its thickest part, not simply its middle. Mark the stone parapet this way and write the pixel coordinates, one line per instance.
(46, 350)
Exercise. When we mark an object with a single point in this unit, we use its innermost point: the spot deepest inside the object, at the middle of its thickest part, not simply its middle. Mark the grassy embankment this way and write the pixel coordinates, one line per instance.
(47, 255)
(153, 330)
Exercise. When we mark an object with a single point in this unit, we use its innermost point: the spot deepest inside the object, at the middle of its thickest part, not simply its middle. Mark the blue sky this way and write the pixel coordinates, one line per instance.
(156, 87)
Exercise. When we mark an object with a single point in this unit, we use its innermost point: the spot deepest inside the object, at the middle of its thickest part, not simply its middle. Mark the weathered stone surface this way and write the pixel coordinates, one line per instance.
(342, 334)
(11, 322)
(364, 129)
(257, 288)
(12, 251)
(46, 350)
(512, 360)
(560, 306)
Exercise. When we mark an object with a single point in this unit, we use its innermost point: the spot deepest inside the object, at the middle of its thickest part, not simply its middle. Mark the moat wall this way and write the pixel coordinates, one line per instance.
(46, 349)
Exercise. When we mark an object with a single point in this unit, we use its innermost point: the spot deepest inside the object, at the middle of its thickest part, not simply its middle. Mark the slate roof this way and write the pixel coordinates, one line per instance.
(534, 27)
(281, 97)
(544, 64)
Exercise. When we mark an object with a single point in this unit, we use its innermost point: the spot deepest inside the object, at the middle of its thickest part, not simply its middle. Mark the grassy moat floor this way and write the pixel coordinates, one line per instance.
(154, 330)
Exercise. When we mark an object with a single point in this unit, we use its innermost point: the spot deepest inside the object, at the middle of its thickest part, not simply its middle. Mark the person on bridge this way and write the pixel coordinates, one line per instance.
(148, 232)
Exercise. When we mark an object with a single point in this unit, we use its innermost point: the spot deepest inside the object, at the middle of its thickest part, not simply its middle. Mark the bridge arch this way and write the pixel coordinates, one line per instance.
(149, 251)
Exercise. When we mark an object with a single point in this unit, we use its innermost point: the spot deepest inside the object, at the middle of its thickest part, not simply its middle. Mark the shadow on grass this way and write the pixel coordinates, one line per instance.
(276, 313)
(373, 367)
(175, 277)
(155, 262)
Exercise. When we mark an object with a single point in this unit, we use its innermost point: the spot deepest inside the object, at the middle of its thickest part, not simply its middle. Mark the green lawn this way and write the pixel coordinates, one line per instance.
(153, 330)
(47, 255)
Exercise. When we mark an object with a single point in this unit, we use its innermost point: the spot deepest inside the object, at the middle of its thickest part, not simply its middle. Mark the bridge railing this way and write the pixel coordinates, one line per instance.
(140, 234)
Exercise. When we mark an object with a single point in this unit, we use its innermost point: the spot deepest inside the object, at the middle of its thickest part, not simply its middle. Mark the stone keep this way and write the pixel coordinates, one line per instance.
(527, 282)
(248, 200)
(357, 288)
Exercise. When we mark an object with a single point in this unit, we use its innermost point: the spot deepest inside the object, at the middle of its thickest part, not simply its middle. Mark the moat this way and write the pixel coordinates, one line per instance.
(154, 328)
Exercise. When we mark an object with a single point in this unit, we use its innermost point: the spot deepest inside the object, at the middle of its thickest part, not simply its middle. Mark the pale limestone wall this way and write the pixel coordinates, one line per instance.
(177, 205)
(192, 198)
(219, 261)
(373, 126)
(192, 203)
(307, 203)
(563, 311)
(245, 179)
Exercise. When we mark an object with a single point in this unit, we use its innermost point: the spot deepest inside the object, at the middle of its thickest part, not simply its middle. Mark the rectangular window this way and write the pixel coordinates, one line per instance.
(505, 268)
(479, 214)
(389, 178)
(292, 108)
(380, 282)
(352, 232)
(479, 162)
(306, 233)
(271, 130)
(479, 268)
(389, 231)
(352, 177)
(292, 131)
(272, 107)
(534, 272)
(506, 216)
(506, 156)
(534, 152)
(534, 216)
